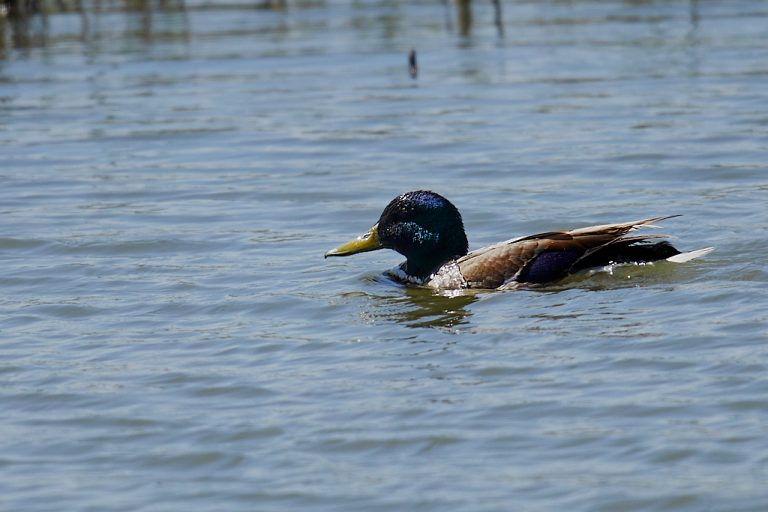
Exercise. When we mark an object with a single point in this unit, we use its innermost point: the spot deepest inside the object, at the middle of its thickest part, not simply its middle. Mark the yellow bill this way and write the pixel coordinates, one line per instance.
(364, 243)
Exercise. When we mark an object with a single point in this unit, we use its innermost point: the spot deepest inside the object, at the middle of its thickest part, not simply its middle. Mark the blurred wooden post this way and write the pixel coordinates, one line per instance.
(464, 14)
(498, 17)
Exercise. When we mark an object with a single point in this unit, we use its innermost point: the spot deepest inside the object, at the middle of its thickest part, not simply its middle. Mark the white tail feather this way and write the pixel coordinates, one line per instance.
(690, 255)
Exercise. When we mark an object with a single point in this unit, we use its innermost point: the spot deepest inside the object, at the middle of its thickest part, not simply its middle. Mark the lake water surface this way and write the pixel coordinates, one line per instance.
(171, 338)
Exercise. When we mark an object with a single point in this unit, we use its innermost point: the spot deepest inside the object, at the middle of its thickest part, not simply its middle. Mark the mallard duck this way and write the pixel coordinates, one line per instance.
(427, 229)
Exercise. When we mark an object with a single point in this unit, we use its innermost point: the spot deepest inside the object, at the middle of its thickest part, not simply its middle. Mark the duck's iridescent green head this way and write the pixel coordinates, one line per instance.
(422, 226)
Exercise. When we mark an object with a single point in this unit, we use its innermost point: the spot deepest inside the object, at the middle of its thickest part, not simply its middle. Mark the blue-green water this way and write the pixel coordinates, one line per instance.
(172, 339)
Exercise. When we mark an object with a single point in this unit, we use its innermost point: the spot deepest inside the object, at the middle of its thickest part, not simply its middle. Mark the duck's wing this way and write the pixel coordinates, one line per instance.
(550, 256)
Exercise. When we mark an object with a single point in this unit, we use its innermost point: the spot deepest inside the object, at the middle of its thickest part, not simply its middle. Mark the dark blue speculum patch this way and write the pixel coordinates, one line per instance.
(549, 266)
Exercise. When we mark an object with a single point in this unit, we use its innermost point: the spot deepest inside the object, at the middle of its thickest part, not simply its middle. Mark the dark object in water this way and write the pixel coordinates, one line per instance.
(413, 68)
(428, 230)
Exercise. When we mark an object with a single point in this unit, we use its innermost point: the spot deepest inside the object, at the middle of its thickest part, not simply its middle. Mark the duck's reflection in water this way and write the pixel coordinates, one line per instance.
(420, 307)
(447, 309)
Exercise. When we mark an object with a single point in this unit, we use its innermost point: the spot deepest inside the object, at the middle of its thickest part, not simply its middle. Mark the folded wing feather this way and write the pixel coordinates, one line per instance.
(493, 266)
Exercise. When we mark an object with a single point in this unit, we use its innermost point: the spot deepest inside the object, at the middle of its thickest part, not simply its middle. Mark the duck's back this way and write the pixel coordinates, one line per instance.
(547, 257)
